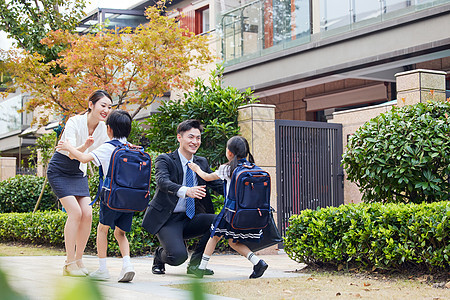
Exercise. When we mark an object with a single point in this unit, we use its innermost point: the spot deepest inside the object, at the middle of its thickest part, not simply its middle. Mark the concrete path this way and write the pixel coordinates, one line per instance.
(39, 276)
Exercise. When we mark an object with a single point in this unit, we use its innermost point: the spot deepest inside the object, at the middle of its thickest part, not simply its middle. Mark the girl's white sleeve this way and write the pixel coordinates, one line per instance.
(222, 171)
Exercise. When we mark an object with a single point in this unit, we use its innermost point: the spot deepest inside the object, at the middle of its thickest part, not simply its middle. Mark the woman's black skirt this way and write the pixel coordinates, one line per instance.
(65, 177)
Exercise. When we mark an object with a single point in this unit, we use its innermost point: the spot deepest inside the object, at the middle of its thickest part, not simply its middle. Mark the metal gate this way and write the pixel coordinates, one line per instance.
(309, 172)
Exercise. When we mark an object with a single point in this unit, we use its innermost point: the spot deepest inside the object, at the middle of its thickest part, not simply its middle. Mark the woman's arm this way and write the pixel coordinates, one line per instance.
(206, 176)
(74, 152)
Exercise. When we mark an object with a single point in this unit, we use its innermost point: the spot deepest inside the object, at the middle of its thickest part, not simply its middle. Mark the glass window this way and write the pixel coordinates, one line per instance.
(205, 20)
(10, 120)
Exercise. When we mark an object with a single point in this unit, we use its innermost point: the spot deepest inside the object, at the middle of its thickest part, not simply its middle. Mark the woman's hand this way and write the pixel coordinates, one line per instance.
(89, 141)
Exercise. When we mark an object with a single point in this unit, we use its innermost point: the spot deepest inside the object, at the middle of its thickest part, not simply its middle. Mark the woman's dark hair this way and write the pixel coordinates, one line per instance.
(188, 125)
(97, 95)
(120, 123)
(240, 149)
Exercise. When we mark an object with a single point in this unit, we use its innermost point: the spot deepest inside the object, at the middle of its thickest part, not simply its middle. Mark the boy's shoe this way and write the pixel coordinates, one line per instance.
(259, 269)
(99, 275)
(127, 274)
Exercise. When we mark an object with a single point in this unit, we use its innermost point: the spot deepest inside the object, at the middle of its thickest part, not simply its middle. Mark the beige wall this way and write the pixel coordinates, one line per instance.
(7, 167)
(351, 120)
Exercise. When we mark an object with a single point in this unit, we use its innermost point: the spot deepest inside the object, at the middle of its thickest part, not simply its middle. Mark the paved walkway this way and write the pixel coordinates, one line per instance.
(39, 276)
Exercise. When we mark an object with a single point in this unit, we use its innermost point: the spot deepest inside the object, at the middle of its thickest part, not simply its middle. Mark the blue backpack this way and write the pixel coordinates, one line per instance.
(126, 187)
(247, 205)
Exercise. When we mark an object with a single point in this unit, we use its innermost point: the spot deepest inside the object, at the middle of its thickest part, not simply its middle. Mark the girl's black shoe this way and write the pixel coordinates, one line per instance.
(259, 269)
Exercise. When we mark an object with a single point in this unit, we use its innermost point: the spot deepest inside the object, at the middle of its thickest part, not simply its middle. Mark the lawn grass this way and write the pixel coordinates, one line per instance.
(17, 249)
(329, 285)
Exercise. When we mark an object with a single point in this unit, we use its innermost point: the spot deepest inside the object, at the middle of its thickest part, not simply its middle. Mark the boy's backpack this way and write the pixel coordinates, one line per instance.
(126, 187)
(248, 203)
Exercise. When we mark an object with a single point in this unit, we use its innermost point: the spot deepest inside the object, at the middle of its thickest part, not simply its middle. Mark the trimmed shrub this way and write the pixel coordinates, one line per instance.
(402, 155)
(48, 228)
(374, 235)
(20, 194)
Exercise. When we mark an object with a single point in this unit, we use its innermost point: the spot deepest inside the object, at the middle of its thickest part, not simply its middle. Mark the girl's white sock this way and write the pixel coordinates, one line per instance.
(204, 262)
(253, 258)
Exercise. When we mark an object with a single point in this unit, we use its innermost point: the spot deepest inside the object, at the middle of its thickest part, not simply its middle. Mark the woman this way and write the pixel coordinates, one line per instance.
(69, 182)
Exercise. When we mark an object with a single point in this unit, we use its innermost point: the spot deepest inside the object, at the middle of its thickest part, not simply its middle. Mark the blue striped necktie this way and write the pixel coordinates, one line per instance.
(190, 203)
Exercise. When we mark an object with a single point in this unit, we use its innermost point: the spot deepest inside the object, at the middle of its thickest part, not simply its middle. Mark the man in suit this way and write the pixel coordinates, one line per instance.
(181, 208)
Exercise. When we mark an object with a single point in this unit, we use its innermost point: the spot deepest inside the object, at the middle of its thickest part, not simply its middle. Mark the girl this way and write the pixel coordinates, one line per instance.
(68, 179)
(236, 152)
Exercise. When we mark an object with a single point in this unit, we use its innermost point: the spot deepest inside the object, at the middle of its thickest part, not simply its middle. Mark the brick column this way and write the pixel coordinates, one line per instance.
(257, 124)
(7, 167)
(420, 86)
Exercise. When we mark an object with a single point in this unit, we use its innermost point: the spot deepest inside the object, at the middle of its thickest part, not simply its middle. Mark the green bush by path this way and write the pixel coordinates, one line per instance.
(47, 228)
(387, 236)
(20, 194)
(402, 155)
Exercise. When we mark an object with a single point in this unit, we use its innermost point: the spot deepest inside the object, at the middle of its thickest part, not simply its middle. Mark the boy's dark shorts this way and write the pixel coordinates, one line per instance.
(113, 218)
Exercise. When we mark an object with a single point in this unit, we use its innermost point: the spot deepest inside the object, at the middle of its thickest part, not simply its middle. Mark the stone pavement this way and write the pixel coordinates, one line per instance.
(39, 276)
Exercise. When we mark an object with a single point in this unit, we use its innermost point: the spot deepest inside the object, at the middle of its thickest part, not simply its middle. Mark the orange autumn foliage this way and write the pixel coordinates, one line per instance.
(134, 65)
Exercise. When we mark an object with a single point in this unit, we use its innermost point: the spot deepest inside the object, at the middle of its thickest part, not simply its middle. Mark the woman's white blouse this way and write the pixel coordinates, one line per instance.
(76, 132)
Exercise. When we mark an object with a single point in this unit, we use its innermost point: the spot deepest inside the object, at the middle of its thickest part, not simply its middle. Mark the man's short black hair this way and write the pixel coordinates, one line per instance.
(120, 123)
(188, 125)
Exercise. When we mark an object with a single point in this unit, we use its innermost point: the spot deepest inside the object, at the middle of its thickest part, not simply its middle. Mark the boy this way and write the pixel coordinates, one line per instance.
(118, 127)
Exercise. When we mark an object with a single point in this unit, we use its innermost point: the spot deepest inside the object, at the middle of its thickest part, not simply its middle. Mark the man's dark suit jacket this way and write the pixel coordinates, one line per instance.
(169, 179)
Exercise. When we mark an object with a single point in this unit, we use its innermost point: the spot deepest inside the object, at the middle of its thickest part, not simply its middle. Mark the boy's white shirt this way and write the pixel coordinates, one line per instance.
(76, 132)
(102, 155)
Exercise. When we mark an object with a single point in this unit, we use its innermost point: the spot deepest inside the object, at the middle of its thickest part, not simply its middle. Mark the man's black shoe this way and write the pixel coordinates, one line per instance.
(193, 270)
(259, 269)
(158, 265)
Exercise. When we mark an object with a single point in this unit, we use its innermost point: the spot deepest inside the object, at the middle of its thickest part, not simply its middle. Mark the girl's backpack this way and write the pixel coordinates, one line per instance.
(126, 187)
(247, 205)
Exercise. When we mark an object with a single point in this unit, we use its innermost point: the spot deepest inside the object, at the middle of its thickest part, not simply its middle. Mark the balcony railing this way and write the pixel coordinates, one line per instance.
(257, 28)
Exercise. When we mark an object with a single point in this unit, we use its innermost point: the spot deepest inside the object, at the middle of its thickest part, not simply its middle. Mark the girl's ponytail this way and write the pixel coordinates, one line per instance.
(250, 156)
(240, 149)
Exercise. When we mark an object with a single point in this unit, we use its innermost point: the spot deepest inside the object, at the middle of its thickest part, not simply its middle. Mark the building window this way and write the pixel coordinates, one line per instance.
(195, 20)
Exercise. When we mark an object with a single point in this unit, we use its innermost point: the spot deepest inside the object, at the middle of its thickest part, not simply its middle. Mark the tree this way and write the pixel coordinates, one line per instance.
(134, 66)
(28, 21)
(402, 155)
(215, 106)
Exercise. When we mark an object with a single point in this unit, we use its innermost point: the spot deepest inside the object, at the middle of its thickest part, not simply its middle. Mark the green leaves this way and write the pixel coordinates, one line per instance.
(20, 194)
(215, 106)
(372, 235)
(406, 151)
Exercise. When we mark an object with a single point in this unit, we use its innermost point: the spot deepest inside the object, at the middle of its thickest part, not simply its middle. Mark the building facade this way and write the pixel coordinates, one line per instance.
(311, 58)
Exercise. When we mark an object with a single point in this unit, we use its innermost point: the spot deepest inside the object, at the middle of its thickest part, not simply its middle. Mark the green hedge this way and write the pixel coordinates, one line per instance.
(20, 194)
(47, 228)
(388, 236)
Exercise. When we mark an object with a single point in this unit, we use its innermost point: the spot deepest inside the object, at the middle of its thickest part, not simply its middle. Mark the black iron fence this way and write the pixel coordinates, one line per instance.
(309, 172)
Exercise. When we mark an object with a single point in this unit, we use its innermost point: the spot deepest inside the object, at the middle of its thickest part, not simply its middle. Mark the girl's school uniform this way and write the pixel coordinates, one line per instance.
(220, 227)
(66, 176)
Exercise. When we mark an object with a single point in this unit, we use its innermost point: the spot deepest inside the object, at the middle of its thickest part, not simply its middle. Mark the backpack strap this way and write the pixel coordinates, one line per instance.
(115, 143)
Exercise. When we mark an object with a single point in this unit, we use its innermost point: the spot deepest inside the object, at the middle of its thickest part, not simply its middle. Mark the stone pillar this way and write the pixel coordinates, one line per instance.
(420, 86)
(257, 123)
(39, 165)
(7, 167)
